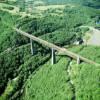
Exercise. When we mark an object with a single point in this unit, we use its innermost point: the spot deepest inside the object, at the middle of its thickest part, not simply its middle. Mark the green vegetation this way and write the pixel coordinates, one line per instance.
(9, 8)
(61, 30)
(6, 22)
(24, 71)
(86, 81)
(32, 77)
(85, 76)
(10, 62)
(50, 82)
(91, 52)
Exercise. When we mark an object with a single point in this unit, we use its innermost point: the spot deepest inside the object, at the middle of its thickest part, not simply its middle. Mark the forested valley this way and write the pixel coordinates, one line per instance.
(68, 24)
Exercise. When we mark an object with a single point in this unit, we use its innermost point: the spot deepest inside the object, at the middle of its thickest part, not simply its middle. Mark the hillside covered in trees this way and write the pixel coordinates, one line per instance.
(24, 76)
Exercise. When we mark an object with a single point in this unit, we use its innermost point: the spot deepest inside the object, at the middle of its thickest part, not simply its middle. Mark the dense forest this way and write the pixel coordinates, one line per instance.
(24, 76)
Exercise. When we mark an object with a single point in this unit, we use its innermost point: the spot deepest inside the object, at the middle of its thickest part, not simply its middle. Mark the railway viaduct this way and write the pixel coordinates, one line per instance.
(54, 47)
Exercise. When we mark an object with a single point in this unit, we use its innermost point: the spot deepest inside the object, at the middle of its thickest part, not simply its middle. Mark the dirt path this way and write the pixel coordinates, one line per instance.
(95, 37)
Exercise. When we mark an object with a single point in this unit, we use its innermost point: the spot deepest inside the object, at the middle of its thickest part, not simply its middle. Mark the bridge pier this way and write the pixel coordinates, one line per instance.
(32, 51)
(78, 60)
(52, 56)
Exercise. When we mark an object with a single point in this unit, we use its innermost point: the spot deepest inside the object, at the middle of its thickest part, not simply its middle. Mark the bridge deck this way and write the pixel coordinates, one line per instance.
(55, 47)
